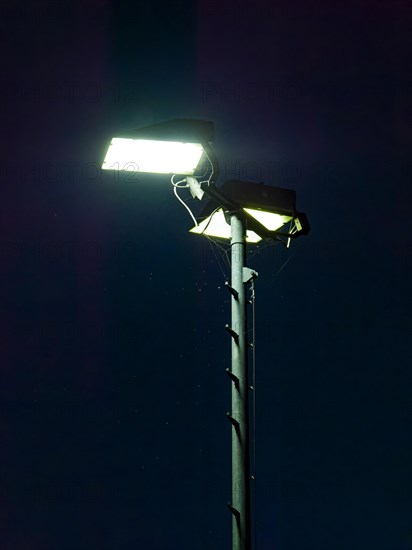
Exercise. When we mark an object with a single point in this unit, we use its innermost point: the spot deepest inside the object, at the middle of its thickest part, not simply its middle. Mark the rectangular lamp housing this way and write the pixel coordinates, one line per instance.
(153, 156)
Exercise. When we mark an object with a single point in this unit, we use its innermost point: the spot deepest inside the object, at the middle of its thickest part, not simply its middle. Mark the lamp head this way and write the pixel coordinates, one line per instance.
(173, 147)
(269, 212)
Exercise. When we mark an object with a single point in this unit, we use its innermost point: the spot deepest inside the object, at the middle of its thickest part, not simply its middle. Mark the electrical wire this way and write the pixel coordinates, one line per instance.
(209, 220)
(176, 186)
(185, 205)
(177, 183)
(214, 243)
(286, 262)
(211, 163)
(218, 261)
(224, 253)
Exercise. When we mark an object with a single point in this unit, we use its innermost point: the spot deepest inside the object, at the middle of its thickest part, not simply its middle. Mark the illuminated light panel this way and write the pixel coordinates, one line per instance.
(216, 226)
(270, 220)
(160, 157)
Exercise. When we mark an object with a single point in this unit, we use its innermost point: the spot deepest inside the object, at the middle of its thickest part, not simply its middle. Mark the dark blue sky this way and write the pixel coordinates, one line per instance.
(113, 353)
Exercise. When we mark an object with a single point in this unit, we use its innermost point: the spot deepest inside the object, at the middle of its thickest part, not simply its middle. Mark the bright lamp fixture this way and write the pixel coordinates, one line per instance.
(216, 226)
(270, 220)
(147, 155)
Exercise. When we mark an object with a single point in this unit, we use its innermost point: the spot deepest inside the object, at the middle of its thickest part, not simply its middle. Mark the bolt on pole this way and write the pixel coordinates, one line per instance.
(240, 507)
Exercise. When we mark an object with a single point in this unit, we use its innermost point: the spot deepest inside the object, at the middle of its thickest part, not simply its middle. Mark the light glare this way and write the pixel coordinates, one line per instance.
(160, 157)
(216, 226)
(270, 220)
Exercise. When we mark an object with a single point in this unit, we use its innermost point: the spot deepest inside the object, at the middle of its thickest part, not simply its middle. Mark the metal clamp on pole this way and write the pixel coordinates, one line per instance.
(249, 274)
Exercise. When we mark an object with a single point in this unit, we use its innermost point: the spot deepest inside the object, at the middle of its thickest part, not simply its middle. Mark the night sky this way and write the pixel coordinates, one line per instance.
(113, 350)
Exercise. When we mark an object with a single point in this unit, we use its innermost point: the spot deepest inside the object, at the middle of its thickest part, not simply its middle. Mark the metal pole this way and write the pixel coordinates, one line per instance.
(241, 535)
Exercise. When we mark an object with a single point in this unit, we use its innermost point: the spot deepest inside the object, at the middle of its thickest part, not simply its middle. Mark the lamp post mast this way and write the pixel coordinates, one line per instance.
(272, 201)
(239, 417)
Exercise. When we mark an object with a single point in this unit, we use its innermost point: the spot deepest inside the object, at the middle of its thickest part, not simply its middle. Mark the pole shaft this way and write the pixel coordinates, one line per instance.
(241, 537)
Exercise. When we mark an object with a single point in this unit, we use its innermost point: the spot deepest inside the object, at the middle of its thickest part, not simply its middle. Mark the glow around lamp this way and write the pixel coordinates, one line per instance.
(178, 146)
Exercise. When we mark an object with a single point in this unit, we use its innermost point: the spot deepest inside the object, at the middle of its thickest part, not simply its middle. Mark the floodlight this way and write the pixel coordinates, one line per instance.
(269, 212)
(175, 147)
(216, 225)
(270, 220)
(160, 157)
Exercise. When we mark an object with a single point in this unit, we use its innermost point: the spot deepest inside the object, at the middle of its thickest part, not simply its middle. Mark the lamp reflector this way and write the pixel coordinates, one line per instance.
(146, 155)
(270, 220)
(216, 226)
